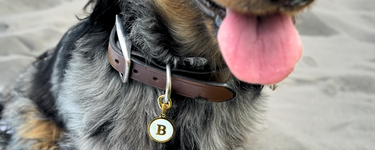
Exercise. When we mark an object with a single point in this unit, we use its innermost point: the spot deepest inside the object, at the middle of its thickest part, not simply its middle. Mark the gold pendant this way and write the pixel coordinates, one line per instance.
(161, 129)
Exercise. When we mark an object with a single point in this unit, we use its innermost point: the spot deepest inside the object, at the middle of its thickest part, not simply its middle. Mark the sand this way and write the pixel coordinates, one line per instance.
(328, 102)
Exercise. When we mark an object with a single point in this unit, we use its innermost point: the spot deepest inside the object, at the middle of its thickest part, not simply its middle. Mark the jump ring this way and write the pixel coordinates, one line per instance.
(160, 101)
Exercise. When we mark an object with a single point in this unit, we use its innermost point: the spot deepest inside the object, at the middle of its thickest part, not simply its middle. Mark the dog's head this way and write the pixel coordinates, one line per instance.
(256, 38)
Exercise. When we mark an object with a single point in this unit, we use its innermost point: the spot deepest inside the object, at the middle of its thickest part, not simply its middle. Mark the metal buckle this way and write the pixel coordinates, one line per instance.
(125, 48)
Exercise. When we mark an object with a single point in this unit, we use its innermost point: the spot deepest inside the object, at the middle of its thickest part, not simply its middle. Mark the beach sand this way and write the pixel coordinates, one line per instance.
(328, 102)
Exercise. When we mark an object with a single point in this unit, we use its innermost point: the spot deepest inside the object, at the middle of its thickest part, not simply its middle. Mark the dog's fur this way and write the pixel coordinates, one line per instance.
(73, 99)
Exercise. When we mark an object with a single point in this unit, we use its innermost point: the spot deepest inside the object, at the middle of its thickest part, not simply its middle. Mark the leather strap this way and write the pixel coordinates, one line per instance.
(155, 76)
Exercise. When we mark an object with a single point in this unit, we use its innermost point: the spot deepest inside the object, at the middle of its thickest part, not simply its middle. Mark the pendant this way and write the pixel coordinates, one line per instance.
(161, 129)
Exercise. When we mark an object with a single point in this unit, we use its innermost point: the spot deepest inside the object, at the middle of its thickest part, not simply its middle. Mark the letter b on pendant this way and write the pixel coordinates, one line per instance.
(161, 130)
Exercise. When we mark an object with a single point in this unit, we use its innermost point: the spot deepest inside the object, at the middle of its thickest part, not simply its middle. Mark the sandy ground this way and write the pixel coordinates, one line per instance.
(328, 102)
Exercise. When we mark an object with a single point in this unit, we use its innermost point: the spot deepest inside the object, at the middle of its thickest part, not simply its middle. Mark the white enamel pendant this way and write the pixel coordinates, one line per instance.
(161, 129)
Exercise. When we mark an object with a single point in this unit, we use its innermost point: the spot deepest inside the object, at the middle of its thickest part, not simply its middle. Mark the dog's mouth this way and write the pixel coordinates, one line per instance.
(257, 49)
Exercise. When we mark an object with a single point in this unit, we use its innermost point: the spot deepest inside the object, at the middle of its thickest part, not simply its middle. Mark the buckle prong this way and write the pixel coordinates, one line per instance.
(125, 48)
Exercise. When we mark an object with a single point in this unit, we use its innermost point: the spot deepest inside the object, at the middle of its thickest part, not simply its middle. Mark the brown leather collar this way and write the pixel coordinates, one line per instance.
(152, 74)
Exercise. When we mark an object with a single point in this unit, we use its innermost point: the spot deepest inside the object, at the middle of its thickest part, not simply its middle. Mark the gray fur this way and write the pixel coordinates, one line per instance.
(92, 95)
(100, 112)
(132, 106)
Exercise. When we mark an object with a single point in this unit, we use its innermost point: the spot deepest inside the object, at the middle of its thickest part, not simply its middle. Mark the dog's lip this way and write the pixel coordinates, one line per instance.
(212, 9)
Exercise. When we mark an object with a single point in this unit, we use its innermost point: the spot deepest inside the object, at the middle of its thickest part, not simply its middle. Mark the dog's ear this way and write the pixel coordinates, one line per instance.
(103, 13)
(101, 18)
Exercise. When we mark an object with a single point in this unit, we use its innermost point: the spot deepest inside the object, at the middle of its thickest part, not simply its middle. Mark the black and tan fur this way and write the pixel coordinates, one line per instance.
(73, 99)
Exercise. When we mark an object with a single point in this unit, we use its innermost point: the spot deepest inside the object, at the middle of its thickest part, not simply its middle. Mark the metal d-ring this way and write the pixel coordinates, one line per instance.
(168, 84)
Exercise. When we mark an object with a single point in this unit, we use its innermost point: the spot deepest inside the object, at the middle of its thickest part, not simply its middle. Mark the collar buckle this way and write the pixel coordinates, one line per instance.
(125, 48)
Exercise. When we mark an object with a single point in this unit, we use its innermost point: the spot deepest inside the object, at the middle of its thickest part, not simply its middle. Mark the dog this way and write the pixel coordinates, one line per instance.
(209, 58)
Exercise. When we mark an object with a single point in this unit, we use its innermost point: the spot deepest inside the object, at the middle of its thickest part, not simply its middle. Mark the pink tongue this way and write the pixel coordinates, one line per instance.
(259, 52)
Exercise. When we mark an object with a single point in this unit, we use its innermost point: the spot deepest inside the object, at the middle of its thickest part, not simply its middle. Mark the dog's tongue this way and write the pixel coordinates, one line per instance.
(259, 51)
